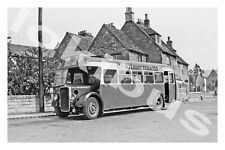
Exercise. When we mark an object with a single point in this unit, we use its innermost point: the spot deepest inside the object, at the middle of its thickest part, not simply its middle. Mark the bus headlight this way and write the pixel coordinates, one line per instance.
(55, 97)
(73, 96)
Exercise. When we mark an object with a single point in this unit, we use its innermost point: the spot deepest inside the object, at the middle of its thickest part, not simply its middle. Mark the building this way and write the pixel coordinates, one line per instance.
(137, 41)
(206, 81)
(211, 79)
(72, 43)
(110, 40)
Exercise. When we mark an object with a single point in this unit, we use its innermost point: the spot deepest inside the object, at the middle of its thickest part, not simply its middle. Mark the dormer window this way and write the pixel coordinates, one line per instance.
(157, 39)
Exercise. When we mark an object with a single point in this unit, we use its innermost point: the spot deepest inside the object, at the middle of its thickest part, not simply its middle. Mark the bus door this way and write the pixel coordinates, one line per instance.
(172, 87)
(167, 87)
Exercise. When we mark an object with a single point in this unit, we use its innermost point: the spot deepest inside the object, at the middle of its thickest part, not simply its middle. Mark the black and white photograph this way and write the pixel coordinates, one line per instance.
(125, 74)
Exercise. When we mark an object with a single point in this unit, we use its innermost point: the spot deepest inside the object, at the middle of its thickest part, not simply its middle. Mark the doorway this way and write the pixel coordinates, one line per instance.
(166, 83)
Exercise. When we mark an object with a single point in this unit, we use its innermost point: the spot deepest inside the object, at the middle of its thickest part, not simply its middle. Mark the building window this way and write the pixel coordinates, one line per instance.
(144, 58)
(116, 56)
(157, 39)
(166, 60)
(134, 57)
(138, 58)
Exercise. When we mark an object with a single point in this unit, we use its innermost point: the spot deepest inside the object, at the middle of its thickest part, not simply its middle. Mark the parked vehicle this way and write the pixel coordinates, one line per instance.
(96, 85)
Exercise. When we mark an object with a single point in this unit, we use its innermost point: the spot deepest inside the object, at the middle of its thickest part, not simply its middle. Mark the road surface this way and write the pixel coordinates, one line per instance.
(130, 126)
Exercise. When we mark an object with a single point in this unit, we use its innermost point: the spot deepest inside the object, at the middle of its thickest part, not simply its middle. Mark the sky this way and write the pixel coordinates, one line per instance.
(192, 30)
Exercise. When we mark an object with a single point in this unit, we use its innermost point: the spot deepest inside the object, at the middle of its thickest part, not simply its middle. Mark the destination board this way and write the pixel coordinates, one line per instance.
(141, 67)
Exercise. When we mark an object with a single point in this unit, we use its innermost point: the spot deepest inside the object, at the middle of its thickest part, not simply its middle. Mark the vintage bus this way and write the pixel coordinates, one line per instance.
(92, 86)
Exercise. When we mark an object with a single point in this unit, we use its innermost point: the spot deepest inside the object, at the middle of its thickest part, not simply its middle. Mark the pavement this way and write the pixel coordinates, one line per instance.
(50, 114)
(32, 115)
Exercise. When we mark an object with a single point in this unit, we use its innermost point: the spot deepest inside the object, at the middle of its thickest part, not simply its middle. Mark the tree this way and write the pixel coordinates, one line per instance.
(195, 73)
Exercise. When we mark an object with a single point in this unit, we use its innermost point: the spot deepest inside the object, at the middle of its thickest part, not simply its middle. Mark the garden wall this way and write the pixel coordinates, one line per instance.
(22, 104)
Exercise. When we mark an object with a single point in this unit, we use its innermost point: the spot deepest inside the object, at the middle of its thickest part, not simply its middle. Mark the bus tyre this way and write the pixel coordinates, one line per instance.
(159, 103)
(60, 113)
(91, 108)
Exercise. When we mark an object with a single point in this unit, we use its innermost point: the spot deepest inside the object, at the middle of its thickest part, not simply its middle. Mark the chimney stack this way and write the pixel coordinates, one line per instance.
(129, 15)
(146, 21)
(169, 42)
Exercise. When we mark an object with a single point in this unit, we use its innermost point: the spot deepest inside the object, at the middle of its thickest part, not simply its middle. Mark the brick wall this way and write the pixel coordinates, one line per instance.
(196, 96)
(21, 104)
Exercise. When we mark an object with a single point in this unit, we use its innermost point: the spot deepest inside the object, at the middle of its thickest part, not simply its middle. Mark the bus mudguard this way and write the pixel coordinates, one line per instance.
(83, 98)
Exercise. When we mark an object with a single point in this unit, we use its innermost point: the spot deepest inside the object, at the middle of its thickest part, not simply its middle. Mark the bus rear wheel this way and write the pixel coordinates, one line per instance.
(91, 108)
(159, 103)
(60, 113)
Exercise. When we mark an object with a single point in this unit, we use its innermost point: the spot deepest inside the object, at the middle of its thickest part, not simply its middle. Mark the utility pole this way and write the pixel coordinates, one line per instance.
(40, 62)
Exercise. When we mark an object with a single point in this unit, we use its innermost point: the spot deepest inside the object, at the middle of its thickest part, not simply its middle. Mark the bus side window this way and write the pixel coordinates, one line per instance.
(158, 77)
(110, 76)
(171, 78)
(124, 76)
(137, 77)
(148, 77)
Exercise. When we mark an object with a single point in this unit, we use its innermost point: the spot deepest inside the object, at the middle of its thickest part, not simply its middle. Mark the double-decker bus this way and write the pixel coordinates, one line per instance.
(92, 86)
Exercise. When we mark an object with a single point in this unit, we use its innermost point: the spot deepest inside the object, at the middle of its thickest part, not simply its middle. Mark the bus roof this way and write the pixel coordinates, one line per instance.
(84, 60)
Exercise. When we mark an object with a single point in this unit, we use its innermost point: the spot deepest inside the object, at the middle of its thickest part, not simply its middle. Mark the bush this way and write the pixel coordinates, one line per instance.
(23, 72)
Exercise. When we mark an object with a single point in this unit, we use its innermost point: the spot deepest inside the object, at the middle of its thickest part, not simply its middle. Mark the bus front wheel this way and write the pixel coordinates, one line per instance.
(159, 103)
(60, 113)
(91, 108)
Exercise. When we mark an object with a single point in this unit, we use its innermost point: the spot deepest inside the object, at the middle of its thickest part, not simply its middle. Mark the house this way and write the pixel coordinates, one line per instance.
(72, 43)
(115, 42)
(206, 81)
(139, 42)
(211, 79)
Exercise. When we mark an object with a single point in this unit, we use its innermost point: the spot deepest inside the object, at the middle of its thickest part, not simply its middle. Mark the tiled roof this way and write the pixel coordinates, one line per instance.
(128, 43)
(166, 49)
(180, 60)
(207, 72)
(173, 52)
(73, 42)
(85, 41)
(149, 30)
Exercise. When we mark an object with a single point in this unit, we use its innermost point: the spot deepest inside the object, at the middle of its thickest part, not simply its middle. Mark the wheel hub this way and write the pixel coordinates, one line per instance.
(92, 108)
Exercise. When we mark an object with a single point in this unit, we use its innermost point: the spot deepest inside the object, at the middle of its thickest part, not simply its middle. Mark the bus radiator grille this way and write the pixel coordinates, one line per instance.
(64, 95)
